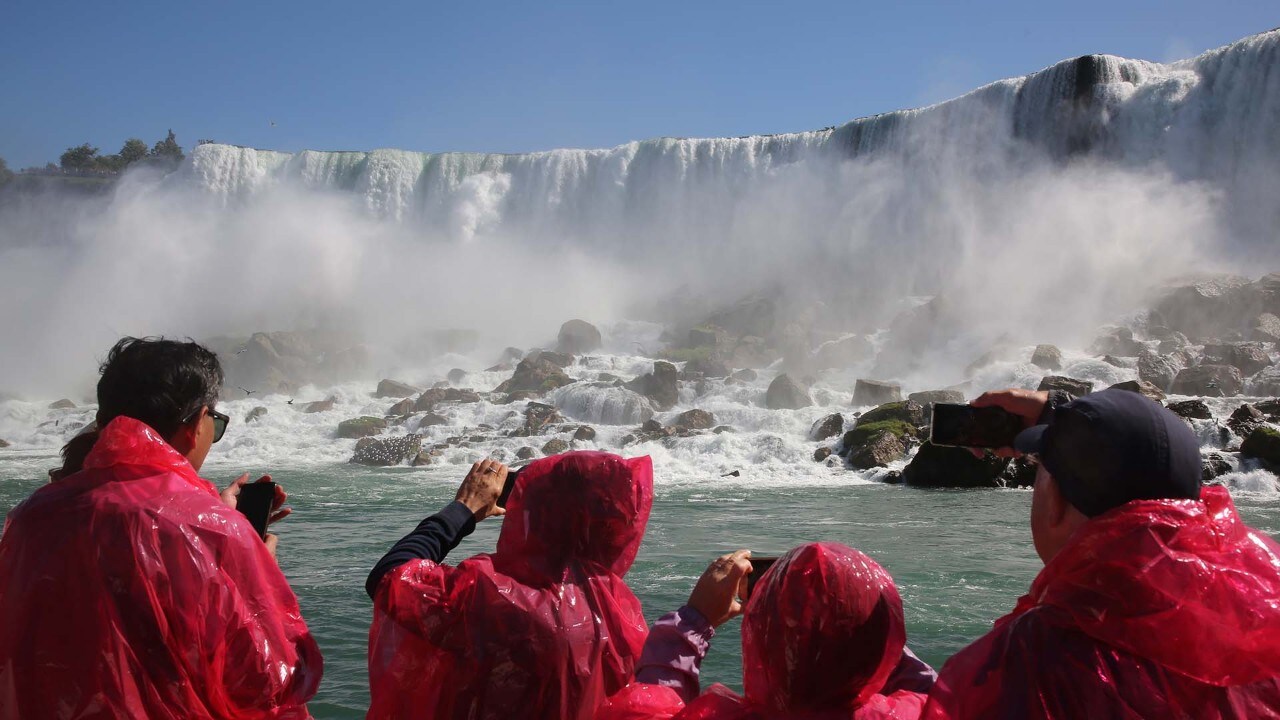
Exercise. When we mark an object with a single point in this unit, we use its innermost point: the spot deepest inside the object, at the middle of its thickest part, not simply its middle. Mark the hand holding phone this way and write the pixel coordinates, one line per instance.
(974, 427)
(255, 501)
(759, 566)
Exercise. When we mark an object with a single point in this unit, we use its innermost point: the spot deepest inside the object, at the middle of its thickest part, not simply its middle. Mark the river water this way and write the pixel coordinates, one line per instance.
(960, 558)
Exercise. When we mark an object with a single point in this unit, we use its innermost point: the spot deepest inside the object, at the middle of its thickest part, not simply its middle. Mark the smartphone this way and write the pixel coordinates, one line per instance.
(254, 502)
(759, 566)
(508, 487)
(975, 427)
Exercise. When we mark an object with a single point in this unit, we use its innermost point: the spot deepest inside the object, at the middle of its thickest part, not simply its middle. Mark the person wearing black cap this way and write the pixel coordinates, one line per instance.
(1155, 601)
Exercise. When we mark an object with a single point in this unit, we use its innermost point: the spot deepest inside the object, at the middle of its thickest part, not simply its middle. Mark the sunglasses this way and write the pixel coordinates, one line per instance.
(219, 422)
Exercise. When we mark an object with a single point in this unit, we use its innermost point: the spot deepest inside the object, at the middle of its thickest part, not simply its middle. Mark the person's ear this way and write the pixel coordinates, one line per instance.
(188, 433)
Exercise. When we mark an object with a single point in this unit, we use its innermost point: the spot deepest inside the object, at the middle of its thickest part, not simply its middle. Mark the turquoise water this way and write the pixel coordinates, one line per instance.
(960, 558)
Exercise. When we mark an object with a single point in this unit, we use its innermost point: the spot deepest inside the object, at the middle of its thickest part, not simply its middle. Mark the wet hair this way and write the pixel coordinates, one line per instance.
(156, 381)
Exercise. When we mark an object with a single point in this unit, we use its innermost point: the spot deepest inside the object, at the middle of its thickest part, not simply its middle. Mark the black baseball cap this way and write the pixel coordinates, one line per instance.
(1113, 446)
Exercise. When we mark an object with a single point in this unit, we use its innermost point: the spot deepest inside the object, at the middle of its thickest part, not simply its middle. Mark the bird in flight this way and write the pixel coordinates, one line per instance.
(241, 350)
(247, 392)
(290, 401)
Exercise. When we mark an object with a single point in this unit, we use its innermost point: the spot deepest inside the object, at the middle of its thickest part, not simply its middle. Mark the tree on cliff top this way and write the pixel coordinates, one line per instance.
(79, 158)
(6, 175)
(133, 150)
(168, 149)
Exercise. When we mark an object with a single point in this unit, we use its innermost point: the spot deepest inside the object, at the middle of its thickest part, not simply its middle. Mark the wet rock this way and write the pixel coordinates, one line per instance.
(1263, 443)
(874, 392)
(320, 405)
(905, 411)
(843, 353)
(650, 426)
(538, 419)
(662, 386)
(555, 446)
(4, 443)
(437, 395)
(827, 427)
(893, 477)
(423, 458)
(1270, 408)
(927, 398)
(746, 375)
(1266, 382)
(1142, 387)
(1174, 342)
(404, 407)
(1212, 466)
(526, 453)
(1160, 370)
(1248, 357)
(255, 414)
(1245, 419)
(722, 429)
(940, 466)
(456, 375)
(819, 455)
(1018, 473)
(1191, 410)
(1073, 387)
(1266, 328)
(63, 404)
(1203, 309)
(559, 359)
(1209, 381)
(694, 420)
(430, 419)
(786, 394)
(535, 375)
(584, 432)
(285, 361)
(708, 367)
(878, 451)
(395, 389)
(1114, 361)
(511, 356)
(1048, 357)
(863, 433)
(1117, 342)
(707, 337)
(386, 451)
(361, 427)
(578, 337)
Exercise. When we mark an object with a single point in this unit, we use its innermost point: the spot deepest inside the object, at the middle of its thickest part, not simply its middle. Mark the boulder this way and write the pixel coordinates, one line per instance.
(431, 419)
(578, 337)
(875, 392)
(425, 457)
(538, 418)
(1160, 370)
(456, 375)
(4, 443)
(559, 359)
(1209, 381)
(63, 404)
(320, 406)
(1245, 419)
(526, 453)
(708, 367)
(1270, 408)
(1115, 361)
(1263, 443)
(927, 398)
(786, 394)
(1118, 341)
(650, 426)
(746, 375)
(1248, 357)
(386, 451)
(819, 455)
(1073, 387)
(1205, 308)
(1212, 466)
(863, 433)
(535, 374)
(907, 411)
(428, 400)
(878, 451)
(255, 414)
(662, 386)
(584, 432)
(940, 466)
(1266, 383)
(1191, 410)
(843, 353)
(555, 446)
(1266, 328)
(827, 427)
(705, 336)
(1142, 387)
(722, 429)
(694, 420)
(361, 427)
(285, 361)
(1048, 357)
(1174, 342)
(1018, 473)
(395, 389)
(404, 407)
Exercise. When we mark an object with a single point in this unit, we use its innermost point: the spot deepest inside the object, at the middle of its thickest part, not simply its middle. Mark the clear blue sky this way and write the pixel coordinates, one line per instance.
(520, 76)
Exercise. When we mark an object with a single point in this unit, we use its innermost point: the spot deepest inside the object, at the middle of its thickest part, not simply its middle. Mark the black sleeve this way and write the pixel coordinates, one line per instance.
(1057, 398)
(432, 540)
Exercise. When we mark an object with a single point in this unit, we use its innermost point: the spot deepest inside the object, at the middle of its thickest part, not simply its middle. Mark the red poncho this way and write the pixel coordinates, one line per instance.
(129, 590)
(543, 628)
(1159, 608)
(820, 636)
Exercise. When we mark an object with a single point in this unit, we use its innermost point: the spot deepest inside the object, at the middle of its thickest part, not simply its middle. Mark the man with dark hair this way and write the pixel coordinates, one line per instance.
(129, 586)
(1155, 600)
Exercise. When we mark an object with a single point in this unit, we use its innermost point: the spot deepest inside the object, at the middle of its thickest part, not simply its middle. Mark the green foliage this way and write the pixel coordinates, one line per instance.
(6, 175)
(109, 163)
(168, 149)
(133, 151)
(79, 158)
(863, 433)
(687, 354)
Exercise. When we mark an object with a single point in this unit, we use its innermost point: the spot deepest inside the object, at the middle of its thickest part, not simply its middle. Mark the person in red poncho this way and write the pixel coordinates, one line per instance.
(129, 587)
(545, 627)
(822, 638)
(1155, 601)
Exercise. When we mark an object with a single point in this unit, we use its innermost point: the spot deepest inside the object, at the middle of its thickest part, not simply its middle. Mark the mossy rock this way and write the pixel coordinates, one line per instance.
(361, 427)
(1263, 443)
(907, 411)
(699, 354)
(865, 432)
